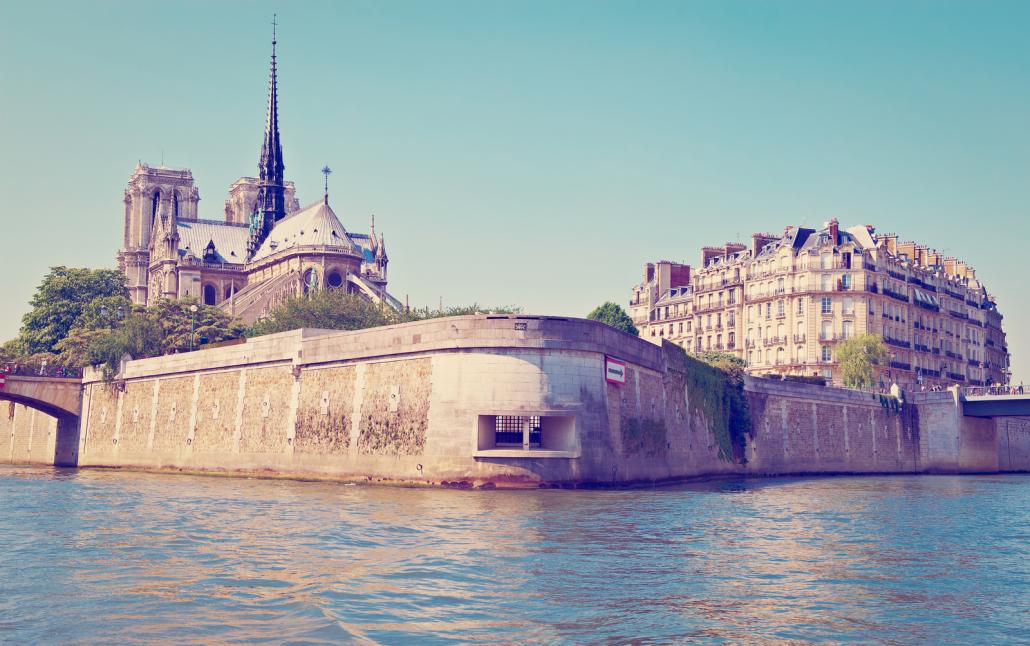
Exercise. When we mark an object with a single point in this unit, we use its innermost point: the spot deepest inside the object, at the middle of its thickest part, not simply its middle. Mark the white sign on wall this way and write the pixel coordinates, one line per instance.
(614, 371)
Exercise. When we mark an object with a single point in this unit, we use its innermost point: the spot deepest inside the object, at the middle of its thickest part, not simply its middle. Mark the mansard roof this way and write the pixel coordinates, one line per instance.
(314, 225)
(230, 239)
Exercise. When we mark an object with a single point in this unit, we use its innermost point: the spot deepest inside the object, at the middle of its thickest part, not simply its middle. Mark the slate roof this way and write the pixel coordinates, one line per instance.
(314, 225)
(230, 239)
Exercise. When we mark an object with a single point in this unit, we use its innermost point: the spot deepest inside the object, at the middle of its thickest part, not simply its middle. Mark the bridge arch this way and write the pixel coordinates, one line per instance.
(59, 397)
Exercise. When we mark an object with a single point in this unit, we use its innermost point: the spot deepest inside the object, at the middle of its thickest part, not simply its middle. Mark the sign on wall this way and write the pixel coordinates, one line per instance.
(614, 371)
(3, 380)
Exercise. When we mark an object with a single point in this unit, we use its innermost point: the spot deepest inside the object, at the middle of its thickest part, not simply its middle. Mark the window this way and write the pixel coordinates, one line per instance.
(553, 433)
(780, 308)
(210, 295)
(824, 282)
(845, 282)
(824, 261)
(801, 305)
(768, 310)
(848, 306)
(848, 329)
(718, 320)
(731, 340)
(826, 305)
(334, 279)
(779, 356)
(826, 330)
(827, 353)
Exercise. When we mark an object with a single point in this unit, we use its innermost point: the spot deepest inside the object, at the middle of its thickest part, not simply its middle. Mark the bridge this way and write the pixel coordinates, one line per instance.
(56, 392)
(995, 402)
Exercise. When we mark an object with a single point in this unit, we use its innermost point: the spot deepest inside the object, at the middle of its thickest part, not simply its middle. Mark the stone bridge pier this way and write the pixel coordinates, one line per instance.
(33, 436)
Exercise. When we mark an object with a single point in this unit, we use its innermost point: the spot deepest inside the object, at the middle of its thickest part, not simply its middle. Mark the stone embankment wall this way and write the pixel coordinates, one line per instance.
(27, 436)
(417, 403)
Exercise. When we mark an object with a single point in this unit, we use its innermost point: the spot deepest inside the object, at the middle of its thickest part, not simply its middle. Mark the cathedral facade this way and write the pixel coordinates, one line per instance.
(264, 250)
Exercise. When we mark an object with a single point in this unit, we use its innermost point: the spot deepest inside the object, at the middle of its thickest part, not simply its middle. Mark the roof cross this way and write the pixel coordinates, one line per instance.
(326, 171)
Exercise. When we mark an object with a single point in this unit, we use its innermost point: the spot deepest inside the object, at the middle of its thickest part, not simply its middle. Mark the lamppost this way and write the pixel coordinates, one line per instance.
(193, 323)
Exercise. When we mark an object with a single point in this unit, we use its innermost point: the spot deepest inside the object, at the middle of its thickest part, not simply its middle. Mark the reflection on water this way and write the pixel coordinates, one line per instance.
(94, 556)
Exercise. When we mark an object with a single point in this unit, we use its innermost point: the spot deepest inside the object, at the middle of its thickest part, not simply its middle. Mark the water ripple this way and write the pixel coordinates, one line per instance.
(101, 556)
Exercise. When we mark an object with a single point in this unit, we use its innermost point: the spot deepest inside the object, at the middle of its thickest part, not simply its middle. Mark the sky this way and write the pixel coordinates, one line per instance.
(531, 153)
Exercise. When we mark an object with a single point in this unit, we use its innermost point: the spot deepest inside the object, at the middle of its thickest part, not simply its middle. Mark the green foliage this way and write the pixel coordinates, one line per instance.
(58, 302)
(330, 309)
(857, 357)
(717, 390)
(613, 315)
(890, 403)
(644, 436)
(806, 379)
(175, 322)
(105, 334)
(460, 310)
(724, 361)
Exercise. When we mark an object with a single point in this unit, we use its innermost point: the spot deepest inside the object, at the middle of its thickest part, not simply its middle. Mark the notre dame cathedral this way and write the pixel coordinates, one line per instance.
(265, 250)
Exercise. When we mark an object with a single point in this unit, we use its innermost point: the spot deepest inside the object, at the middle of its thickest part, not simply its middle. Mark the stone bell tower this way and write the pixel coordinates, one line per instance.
(151, 192)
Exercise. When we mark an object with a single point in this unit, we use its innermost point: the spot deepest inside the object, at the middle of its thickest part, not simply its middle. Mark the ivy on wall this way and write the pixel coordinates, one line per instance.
(718, 392)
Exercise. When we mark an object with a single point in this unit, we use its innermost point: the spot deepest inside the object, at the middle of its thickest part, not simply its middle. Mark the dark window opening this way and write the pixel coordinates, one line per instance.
(210, 295)
(510, 430)
(334, 279)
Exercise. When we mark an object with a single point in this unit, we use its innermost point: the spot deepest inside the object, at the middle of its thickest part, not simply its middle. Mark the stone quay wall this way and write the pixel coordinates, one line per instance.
(417, 403)
(27, 435)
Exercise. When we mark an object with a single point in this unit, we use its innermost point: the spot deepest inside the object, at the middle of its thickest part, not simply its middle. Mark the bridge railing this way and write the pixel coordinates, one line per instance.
(40, 370)
(984, 391)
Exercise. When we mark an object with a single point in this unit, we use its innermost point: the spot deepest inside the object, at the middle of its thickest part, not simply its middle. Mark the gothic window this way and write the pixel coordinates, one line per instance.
(310, 280)
(175, 204)
(155, 206)
(334, 279)
(210, 295)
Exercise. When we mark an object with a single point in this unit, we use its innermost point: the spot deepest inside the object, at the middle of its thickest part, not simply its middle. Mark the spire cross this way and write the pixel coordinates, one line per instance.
(326, 171)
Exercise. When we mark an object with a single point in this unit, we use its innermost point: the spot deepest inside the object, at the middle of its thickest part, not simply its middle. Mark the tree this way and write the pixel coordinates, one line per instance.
(102, 338)
(857, 357)
(58, 302)
(330, 309)
(613, 315)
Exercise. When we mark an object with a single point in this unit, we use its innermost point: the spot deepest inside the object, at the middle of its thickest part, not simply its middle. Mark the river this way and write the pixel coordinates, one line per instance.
(100, 556)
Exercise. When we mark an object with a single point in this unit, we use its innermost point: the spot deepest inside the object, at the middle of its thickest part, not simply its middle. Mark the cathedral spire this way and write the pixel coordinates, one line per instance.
(271, 200)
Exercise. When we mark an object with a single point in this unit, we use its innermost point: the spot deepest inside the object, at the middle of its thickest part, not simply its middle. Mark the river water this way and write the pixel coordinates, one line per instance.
(101, 556)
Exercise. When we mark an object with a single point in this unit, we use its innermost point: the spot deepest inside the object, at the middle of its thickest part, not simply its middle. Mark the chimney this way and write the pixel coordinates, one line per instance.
(648, 272)
(707, 253)
(759, 240)
(890, 241)
(834, 227)
(949, 267)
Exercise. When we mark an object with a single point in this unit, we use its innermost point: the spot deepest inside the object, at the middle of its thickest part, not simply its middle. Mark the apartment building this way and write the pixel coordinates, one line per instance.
(783, 302)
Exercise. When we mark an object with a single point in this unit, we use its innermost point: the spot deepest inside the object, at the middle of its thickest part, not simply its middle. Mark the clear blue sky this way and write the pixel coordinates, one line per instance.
(531, 153)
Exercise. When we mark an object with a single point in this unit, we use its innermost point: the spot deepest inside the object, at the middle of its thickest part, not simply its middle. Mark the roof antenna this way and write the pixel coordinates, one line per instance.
(326, 171)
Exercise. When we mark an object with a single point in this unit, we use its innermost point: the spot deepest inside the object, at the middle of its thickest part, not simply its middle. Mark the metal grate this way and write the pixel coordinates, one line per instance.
(508, 430)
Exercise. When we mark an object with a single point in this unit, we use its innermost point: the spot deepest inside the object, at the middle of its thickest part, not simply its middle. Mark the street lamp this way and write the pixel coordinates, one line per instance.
(193, 323)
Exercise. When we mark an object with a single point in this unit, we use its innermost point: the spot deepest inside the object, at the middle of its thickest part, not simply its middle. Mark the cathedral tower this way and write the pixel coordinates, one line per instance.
(271, 199)
(151, 192)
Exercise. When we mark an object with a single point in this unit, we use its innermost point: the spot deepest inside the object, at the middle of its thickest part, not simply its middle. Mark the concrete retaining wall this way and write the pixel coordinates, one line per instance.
(410, 403)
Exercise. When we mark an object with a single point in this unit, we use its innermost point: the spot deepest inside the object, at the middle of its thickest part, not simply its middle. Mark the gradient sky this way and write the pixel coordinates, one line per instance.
(531, 153)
